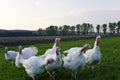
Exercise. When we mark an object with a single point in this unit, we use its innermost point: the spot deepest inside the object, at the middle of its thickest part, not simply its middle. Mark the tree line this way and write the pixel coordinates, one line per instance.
(81, 29)
(66, 30)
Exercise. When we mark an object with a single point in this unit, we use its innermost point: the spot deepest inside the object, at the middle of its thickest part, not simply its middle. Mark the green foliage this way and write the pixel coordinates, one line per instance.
(118, 27)
(112, 27)
(108, 69)
(98, 28)
(52, 31)
(72, 30)
(78, 29)
(86, 28)
(104, 28)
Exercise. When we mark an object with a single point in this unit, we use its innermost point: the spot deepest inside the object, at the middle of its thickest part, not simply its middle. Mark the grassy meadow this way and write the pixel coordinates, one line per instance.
(109, 68)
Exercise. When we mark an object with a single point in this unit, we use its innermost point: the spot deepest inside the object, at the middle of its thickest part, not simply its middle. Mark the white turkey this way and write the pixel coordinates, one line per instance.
(10, 55)
(56, 55)
(75, 59)
(93, 56)
(34, 65)
(75, 51)
(26, 53)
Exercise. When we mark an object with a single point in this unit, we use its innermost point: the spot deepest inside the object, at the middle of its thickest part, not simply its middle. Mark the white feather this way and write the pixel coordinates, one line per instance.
(93, 56)
(34, 65)
(74, 60)
(51, 53)
(11, 55)
(29, 51)
(26, 53)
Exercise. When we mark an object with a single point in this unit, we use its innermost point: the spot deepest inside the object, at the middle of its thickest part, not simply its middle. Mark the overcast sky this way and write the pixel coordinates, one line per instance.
(34, 14)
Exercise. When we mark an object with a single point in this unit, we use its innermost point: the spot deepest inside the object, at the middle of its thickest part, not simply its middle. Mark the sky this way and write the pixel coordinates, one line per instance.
(34, 14)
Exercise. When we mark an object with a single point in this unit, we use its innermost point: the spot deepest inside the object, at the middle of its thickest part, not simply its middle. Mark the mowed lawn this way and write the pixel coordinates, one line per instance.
(108, 69)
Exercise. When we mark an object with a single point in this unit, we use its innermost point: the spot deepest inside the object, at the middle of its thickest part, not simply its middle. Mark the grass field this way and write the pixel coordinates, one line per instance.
(109, 69)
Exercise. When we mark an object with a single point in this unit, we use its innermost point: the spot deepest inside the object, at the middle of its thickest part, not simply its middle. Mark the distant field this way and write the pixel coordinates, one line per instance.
(109, 69)
(13, 41)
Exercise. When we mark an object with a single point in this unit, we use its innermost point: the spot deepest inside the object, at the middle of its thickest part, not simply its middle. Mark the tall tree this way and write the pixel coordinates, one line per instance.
(72, 30)
(66, 29)
(60, 30)
(56, 30)
(112, 27)
(98, 29)
(118, 27)
(104, 28)
(85, 28)
(91, 30)
(52, 30)
(88, 28)
(78, 29)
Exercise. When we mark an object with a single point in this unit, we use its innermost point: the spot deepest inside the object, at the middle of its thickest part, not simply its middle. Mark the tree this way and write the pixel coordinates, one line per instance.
(60, 30)
(112, 27)
(91, 30)
(56, 30)
(66, 29)
(41, 32)
(98, 29)
(104, 28)
(72, 30)
(52, 30)
(89, 27)
(118, 27)
(85, 28)
(78, 29)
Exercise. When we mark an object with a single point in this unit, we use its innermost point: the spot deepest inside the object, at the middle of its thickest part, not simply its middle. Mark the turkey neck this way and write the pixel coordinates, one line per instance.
(96, 49)
(57, 52)
(97, 42)
(56, 44)
(96, 46)
(6, 51)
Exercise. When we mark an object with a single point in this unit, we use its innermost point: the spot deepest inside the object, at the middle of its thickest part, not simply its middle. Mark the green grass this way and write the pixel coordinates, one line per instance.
(109, 69)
